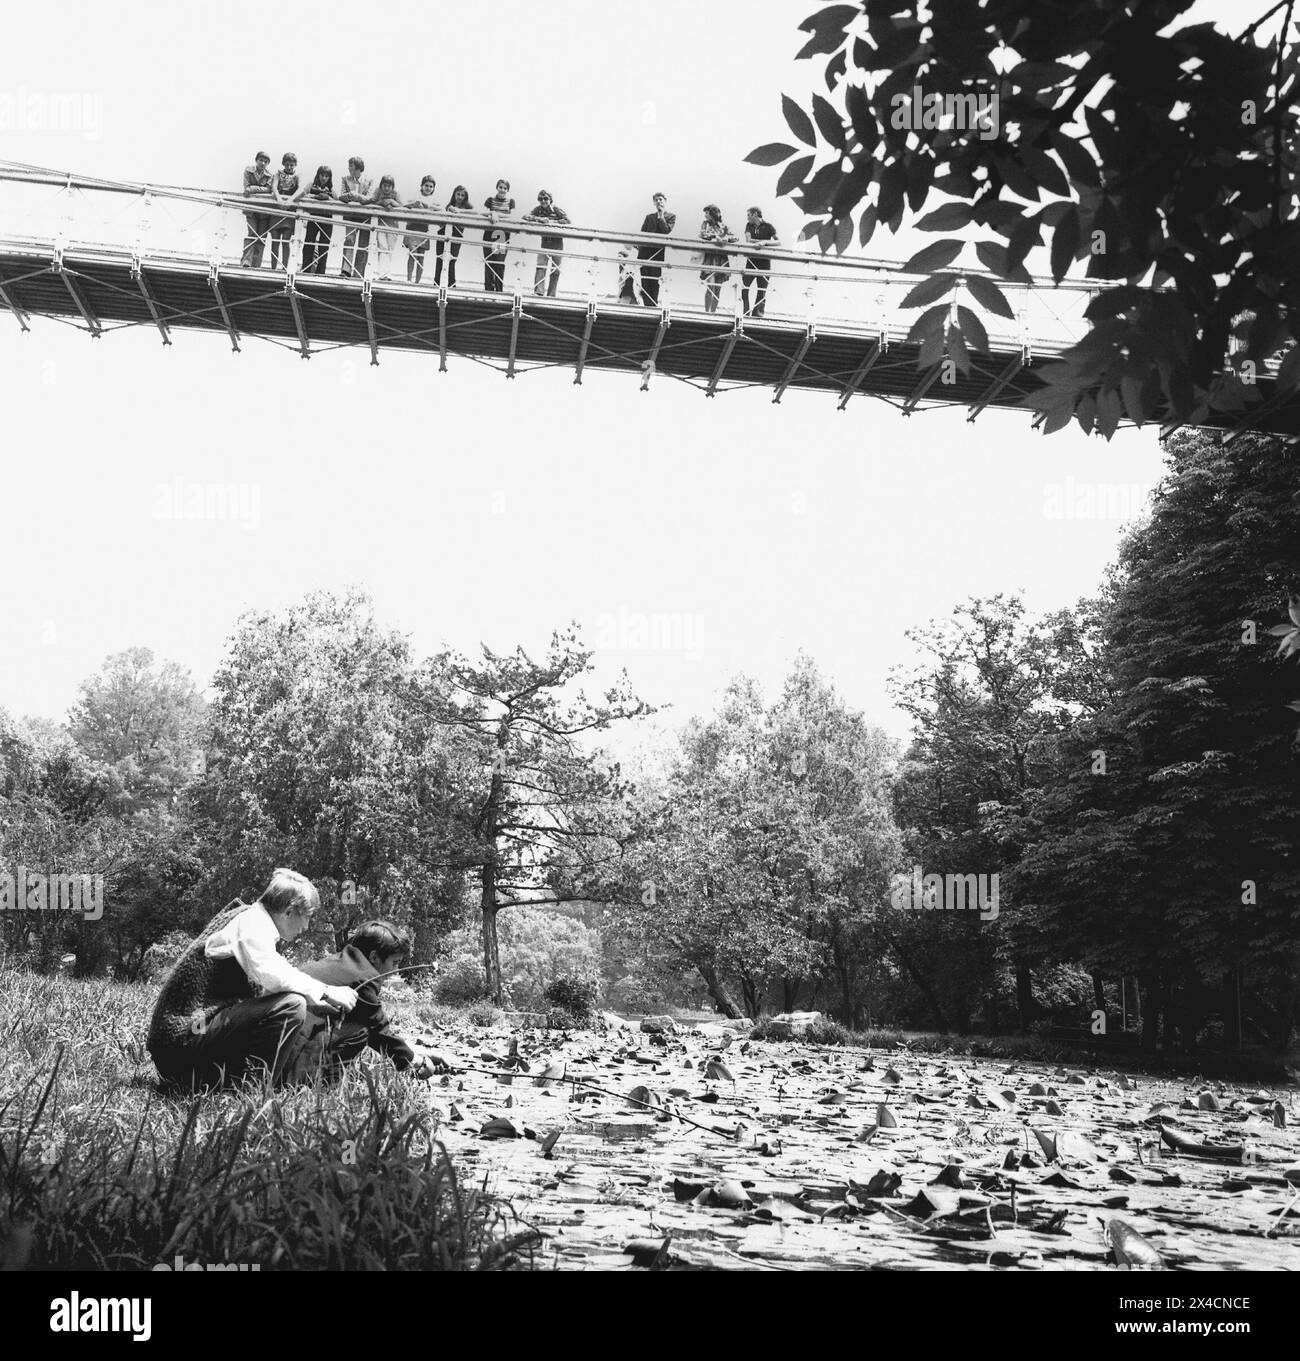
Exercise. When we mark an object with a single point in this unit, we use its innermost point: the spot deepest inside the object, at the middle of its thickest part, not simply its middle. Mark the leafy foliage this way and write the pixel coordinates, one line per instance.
(576, 994)
(1163, 156)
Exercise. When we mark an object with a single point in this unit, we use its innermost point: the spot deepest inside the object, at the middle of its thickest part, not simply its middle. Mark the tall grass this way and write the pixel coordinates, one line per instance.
(99, 1168)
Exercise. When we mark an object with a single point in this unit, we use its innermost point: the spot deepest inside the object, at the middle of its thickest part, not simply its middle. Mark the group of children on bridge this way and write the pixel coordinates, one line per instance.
(324, 205)
(233, 1007)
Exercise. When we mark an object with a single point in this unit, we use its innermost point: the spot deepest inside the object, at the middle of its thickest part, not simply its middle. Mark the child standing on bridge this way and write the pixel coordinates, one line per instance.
(715, 230)
(257, 185)
(316, 243)
(495, 238)
(418, 233)
(387, 236)
(548, 257)
(285, 189)
(356, 239)
(457, 203)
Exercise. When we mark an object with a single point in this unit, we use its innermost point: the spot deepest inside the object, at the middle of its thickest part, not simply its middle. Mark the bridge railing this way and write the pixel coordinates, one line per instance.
(167, 222)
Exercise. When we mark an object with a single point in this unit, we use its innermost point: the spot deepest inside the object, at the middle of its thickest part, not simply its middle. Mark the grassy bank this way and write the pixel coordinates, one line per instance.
(100, 1169)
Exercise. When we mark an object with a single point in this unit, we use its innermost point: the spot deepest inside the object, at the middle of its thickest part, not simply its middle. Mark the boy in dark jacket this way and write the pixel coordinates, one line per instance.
(376, 948)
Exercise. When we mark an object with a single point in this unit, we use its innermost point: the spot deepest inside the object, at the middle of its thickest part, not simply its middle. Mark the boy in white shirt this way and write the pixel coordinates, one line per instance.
(232, 1003)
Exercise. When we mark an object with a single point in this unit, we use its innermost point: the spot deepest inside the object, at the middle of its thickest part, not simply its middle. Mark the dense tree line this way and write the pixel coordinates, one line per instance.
(1123, 775)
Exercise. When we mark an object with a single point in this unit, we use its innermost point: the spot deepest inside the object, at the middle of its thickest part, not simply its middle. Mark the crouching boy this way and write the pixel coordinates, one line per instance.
(376, 948)
(232, 1005)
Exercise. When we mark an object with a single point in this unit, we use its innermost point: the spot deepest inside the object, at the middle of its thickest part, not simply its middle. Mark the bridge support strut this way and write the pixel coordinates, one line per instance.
(83, 306)
(214, 283)
(137, 273)
(737, 330)
(795, 360)
(295, 302)
(874, 353)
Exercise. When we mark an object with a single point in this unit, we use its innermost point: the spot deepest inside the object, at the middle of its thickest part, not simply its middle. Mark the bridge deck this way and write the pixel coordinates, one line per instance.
(102, 290)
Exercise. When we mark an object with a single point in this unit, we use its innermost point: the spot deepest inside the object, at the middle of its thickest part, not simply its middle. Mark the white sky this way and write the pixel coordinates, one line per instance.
(472, 507)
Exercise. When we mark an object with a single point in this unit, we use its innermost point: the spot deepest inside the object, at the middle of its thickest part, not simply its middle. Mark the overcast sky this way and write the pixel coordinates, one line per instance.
(474, 508)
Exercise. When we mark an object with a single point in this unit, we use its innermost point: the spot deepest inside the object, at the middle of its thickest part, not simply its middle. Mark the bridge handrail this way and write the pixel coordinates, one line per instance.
(305, 209)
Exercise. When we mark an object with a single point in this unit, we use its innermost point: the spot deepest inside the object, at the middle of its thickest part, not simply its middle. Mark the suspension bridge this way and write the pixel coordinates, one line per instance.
(103, 255)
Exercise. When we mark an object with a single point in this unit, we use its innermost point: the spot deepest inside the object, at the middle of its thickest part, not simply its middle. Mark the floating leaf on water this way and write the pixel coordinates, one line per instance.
(1233, 1153)
(549, 1143)
(882, 1183)
(717, 1071)
(891, 1078)
(1130, 1248)
(885, 1117)
(1054, 1108)
(645, 1251)
(1207, 1101)
(1037, 1089)
(550, 1074)
(1060, 1179)
(688, 1190)
(932, 1200)
(732, 1195)
(499, 1127)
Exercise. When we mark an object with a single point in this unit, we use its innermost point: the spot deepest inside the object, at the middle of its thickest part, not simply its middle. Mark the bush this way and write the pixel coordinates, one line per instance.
(829, 1032)
(484, 1012)
(461, 982)
(819, 1032)
(559, 1018)
(574, 993)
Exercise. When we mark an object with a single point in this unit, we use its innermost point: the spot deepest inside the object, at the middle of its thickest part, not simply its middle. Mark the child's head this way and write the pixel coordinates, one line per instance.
(292, 901)
(386, 946)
